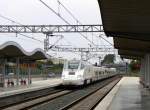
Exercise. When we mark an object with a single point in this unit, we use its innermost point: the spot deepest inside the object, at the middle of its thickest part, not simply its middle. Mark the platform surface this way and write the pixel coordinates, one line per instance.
(36, 85)
(128, 94)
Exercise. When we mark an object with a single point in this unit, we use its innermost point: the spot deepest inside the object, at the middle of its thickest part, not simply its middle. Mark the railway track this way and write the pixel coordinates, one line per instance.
(90, 101)
(68, 99)
(33, 102)
(40, 95)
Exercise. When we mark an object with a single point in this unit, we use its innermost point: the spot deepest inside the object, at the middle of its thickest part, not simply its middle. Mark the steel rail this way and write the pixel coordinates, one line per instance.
(61, 102)
(90, 101)
(22, 105)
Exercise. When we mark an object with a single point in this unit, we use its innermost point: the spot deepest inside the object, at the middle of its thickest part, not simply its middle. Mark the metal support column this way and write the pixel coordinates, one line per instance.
(99, 61)
(4, 71)
(29, 73)
(18, 70)
(148, 70)
(82, 54)
(45, 72)
(144, 70)
(46, 43)
(86, 56)
(146, 60)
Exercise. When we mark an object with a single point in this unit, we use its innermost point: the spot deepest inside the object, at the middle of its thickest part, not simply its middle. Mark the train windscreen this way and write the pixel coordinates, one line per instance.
(73, 65)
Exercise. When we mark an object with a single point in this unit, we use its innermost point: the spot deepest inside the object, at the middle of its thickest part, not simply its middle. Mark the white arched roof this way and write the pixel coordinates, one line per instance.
(13, 49)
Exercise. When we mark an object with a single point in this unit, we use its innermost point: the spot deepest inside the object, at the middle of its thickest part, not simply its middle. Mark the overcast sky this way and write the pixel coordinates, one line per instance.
(34, 12)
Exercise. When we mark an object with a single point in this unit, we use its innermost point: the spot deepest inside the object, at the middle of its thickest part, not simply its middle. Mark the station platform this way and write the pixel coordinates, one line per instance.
(128, 94)
(36, 85)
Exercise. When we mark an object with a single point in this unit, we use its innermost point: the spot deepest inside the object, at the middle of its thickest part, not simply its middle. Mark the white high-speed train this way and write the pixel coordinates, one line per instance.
(77, 72)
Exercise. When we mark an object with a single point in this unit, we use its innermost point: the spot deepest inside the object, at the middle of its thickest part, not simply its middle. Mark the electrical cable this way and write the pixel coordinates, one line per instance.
(106, 40)
(77, 19)
(60, 3)
(63, 19)
(6, 18)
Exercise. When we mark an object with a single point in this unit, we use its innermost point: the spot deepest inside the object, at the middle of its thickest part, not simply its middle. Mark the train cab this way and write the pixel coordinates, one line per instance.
(73, 72)
(77, 72)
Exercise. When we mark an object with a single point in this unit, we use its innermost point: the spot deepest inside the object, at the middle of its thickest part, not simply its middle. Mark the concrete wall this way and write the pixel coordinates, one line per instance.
(145, 71)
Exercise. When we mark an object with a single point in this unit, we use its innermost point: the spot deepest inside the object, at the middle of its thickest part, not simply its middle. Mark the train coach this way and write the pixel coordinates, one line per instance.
(77, 72)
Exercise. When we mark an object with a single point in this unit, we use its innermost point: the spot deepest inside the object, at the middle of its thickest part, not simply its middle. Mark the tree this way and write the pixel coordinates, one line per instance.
(109, 59)
(49, 62)
(40, 63)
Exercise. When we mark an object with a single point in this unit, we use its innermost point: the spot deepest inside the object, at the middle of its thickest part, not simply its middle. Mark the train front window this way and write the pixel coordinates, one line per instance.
(73, 65)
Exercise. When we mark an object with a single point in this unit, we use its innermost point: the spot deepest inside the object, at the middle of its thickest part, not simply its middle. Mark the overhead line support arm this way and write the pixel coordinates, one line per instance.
(50, 28)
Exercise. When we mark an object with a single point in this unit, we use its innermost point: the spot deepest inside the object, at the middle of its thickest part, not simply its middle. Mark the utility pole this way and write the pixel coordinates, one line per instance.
(46, 43)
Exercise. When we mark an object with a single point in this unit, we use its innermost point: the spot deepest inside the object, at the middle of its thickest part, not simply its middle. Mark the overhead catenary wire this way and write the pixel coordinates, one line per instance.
(78, 21)
(54, 12)
(69, 42)
(13, 21)
(28, 36)
(8, 19)
(59, 15)
(55, 43)
(32, 38)
(106, 40)
(69, 12)
(62, 18)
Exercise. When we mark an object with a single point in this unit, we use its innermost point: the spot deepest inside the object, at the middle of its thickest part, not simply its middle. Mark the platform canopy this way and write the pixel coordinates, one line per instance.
(13, 49)
(128, 21)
